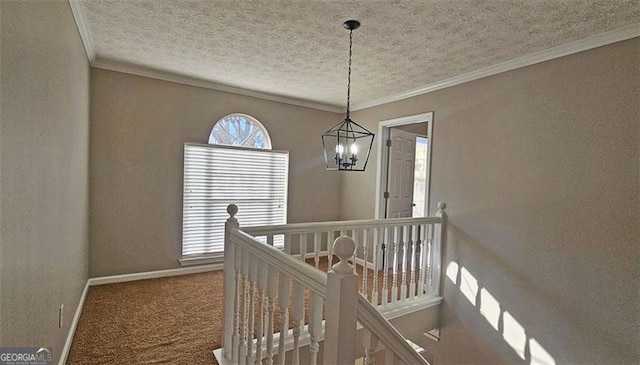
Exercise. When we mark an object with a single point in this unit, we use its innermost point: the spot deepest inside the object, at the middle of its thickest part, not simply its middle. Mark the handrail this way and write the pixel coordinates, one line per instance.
(337, 225)
(305, 274)
(372, 320)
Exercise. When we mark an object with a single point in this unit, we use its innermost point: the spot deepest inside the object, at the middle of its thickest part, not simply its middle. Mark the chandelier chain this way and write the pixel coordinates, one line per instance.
(349, 73)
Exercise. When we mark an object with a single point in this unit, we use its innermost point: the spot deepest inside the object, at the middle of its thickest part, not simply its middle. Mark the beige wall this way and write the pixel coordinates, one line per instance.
(417, 128)
(139, 126)
(539, 167)
(44, 136)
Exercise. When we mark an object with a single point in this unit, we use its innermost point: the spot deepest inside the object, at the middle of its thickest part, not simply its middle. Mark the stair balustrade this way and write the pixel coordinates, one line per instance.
(399, 258)
(275, 301)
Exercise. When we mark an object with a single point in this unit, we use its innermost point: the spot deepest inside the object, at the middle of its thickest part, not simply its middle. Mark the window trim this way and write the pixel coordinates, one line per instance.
(268, 144)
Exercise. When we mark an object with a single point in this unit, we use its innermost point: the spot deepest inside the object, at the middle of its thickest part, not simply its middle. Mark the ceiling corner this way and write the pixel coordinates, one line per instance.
(83, 29)
(138, 70)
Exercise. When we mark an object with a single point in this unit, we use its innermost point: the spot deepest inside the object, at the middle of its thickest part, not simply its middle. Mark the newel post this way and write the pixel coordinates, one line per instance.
(439, 237)
(229, 284)
(342, 306)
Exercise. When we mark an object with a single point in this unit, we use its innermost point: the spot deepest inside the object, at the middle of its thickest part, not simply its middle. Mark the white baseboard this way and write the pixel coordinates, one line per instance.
(153, 274)
(74, 325)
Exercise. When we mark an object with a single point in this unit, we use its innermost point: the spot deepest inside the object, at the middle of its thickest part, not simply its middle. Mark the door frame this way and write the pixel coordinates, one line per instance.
(382, 162)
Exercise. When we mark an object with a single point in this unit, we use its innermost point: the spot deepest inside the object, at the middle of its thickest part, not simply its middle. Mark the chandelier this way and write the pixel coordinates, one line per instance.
(347, 145)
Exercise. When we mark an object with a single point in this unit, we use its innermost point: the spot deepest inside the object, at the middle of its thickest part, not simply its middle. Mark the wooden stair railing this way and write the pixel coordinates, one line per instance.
(266, 288)
(407, 252)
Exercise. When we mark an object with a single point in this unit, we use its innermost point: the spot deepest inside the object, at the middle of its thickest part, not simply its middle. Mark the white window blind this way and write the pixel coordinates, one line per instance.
(216, 176)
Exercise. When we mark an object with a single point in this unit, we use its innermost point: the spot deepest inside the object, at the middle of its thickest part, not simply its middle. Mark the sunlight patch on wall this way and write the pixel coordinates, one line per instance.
(513, 333)
(539, 356)
(468, 285)
(490, 308)
(452, 272)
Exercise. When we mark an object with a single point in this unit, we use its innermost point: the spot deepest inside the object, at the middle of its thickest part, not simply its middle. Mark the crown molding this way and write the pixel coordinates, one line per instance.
(83, 29)
(598, 40)
(602, 39)
(187, 80)
(94, 61)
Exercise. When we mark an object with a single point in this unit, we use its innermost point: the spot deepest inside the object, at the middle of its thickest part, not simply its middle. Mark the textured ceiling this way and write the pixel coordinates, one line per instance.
(299, 48)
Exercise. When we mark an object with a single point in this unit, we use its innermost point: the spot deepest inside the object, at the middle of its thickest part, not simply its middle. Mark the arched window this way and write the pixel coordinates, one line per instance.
(240, 130)
(238, 167)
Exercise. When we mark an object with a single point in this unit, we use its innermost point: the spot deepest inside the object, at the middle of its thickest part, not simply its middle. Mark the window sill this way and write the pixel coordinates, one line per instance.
(193, 260)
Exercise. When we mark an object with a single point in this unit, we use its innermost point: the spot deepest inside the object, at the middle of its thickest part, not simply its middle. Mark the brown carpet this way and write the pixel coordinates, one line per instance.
(174, 320)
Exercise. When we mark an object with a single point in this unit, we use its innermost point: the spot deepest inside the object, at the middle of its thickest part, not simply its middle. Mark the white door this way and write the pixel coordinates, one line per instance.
(402, 156)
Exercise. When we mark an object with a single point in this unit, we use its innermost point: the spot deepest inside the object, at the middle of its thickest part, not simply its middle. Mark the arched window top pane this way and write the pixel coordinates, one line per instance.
(240, 130)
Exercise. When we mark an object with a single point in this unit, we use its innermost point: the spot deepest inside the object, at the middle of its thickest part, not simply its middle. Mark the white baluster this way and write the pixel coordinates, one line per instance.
(427, 260)
(377, 234)
(342, 304)
(432, 229)
(422, 245)
(303, 247)
(414, 246)
(251, 313)
(330, 236)
(283, 303)
(262, 285)
(238, 303)
(439, 233)
(297, 319)
(272, 289)
(244, 303)
(287, 243)
(354, 236)
(405, 243)
(316, 248)
(385, 266)
(365, 256)
(270, 240)
(370, 345)
(231, 282)
(396, 246)
(315, 327)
